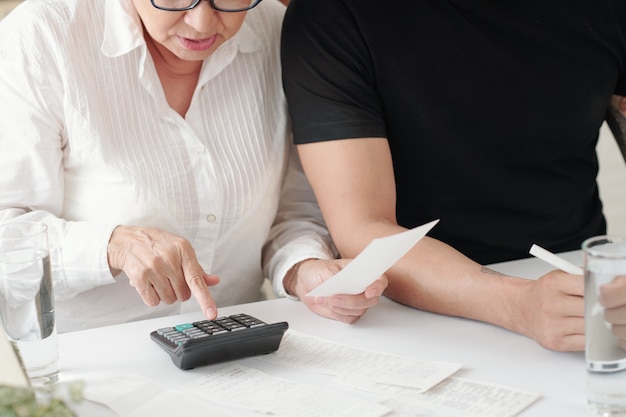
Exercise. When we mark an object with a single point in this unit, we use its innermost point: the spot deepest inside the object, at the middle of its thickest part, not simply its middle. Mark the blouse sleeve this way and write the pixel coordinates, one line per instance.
(32, 148)
(299, 231)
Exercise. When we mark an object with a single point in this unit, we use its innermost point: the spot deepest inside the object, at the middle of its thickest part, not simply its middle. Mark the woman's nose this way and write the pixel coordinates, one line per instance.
(201, 17)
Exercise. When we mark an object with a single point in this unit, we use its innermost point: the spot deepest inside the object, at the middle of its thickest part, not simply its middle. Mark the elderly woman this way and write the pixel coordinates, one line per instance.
(151, 136)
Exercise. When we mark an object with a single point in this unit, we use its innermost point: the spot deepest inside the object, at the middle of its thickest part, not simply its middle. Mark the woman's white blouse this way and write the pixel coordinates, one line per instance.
(88, 142)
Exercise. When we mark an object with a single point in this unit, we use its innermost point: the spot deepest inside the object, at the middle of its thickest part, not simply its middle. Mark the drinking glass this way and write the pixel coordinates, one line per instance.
(26, 298)
(605, 260)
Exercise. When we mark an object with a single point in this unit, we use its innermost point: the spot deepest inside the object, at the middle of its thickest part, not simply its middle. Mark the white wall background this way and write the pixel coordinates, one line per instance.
(612, 182)
(6, 6)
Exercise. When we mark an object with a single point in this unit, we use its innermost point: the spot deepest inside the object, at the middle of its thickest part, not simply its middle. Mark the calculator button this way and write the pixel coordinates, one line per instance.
(178, 340)
(165, 330)
(193, 333)
(199, 335)
(255, 323)
(248, 321)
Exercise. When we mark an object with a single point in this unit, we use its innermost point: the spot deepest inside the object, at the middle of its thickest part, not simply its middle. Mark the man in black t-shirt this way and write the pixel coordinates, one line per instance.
(480, 113)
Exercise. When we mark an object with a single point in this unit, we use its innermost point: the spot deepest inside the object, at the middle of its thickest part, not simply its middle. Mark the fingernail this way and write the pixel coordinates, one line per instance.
(210, 313)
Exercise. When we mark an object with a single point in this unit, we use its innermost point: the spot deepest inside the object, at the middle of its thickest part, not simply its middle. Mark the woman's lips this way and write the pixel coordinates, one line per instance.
(198, 44)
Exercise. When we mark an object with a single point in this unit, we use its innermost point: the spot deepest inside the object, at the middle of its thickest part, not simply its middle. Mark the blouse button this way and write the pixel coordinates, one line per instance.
(211, 218)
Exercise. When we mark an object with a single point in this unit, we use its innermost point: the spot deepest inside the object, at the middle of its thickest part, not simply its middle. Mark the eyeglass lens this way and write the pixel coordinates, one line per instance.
(218, 4)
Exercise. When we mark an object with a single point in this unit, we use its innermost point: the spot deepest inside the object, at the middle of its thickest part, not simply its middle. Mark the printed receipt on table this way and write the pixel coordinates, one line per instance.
(372, 262)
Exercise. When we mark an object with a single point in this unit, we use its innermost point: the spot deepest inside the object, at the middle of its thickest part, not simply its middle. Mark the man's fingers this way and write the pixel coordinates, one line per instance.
(572, 285)
(616, 315)
(324, 311)
(620, 332)
(346, 302)
(376, 288)
(613, 294)
(345, 308)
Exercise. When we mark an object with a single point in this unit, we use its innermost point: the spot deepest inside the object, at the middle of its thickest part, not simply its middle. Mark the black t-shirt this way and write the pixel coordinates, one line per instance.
(491, 108)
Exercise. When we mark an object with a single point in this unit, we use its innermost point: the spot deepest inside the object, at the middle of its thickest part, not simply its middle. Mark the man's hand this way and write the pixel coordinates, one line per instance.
(553, 311)
(613, 298)
(343, 307)
(162, 267)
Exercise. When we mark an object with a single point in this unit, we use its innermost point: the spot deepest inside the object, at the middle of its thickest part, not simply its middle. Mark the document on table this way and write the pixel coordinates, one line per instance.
(133, 395)
(234, 391)
(262, 393)
(323, 356)
(454, 397)
(240, 391)
(372, 262)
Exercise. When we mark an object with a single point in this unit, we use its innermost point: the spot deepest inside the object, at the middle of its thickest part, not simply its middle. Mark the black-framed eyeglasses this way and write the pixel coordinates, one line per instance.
(219, 5)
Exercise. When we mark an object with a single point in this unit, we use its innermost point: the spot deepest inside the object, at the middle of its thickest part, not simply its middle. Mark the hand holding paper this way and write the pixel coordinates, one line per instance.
(372, 262)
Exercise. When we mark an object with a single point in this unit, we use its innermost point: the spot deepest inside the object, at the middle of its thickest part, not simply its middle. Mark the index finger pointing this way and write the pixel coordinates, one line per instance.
(194, 277)
(200, 291)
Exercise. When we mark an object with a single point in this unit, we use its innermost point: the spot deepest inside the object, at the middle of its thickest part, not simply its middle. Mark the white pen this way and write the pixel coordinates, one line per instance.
(555, 260)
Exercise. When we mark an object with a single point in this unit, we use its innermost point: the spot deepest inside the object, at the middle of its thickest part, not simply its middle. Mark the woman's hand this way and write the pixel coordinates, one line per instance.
(162, 267)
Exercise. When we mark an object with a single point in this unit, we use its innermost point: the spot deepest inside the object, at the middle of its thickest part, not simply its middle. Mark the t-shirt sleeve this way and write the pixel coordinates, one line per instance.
(620, 89)
(620, 14)
(328, 74)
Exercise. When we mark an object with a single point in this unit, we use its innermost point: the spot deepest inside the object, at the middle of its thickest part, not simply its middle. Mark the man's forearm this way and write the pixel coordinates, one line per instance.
(435, 277)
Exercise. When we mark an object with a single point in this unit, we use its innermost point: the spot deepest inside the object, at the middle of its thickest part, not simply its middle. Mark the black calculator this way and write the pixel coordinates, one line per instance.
(212, 341)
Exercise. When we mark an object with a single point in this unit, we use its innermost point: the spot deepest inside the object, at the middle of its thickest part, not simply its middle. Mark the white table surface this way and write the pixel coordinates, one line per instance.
(488, 353)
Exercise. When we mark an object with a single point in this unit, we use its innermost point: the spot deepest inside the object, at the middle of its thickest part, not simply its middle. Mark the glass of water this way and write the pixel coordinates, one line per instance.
(605, 260)
(27, 300)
